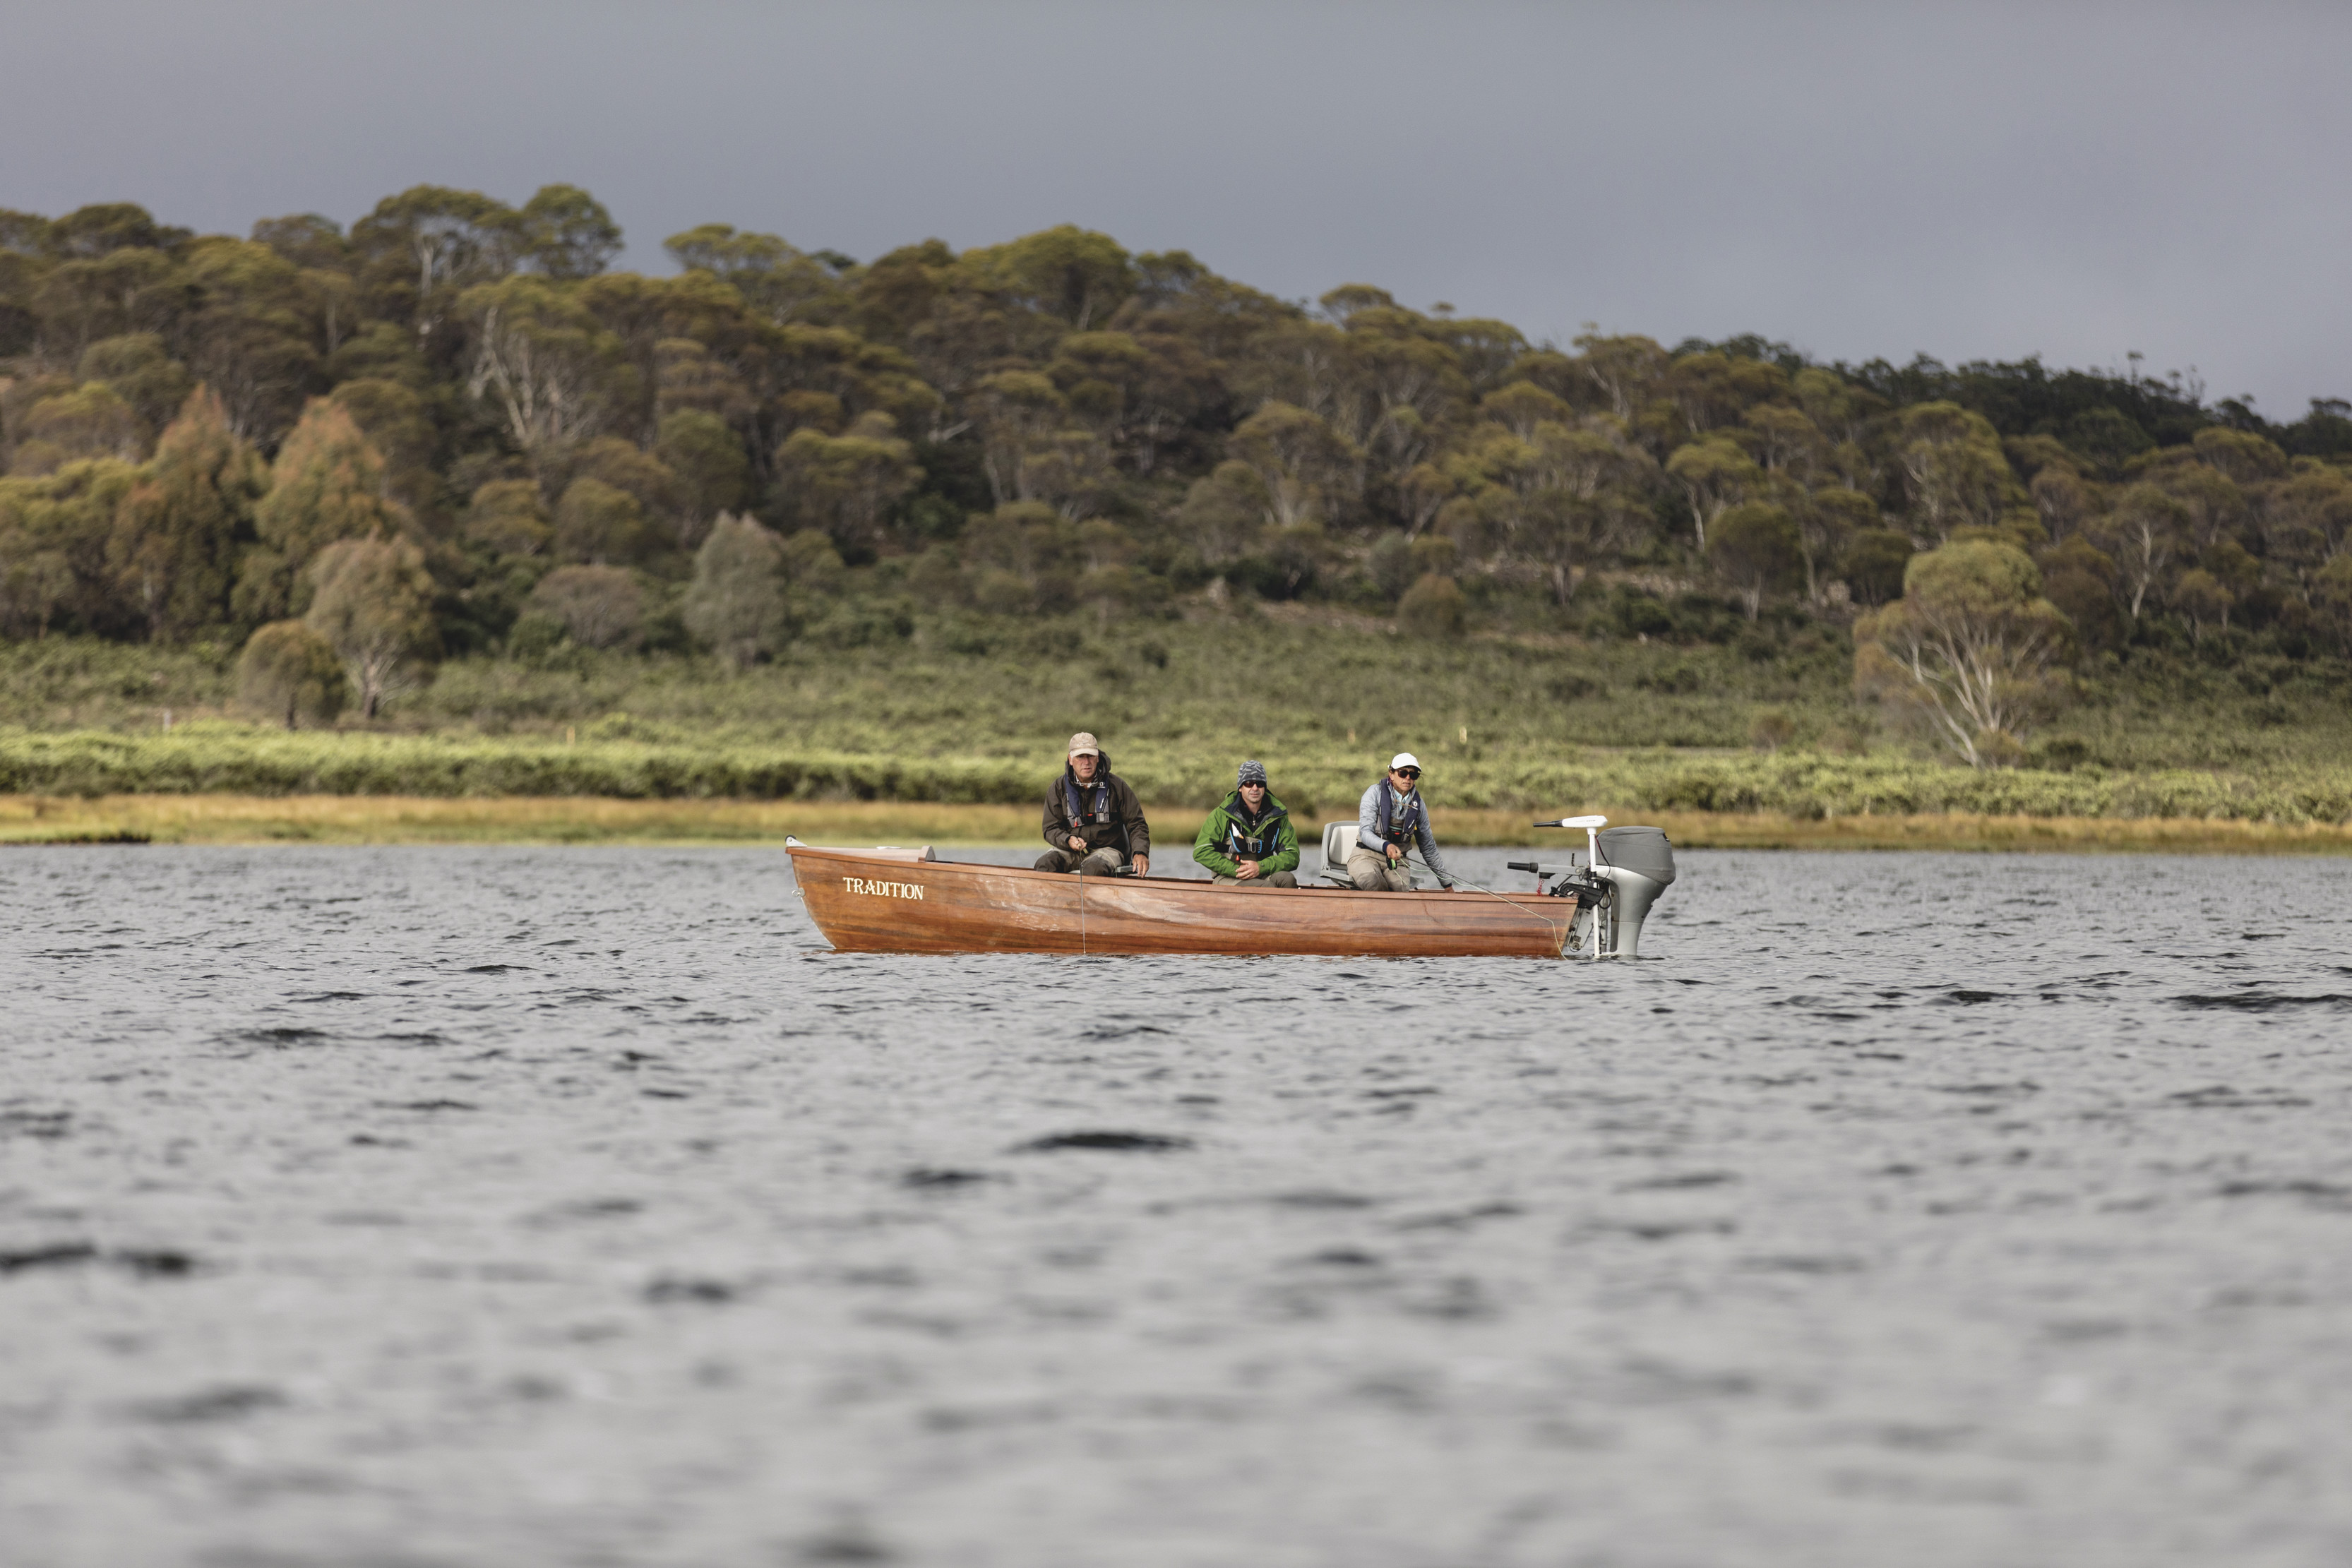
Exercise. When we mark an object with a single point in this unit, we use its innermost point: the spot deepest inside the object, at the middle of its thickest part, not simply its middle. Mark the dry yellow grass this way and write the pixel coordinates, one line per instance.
(420, 819)
(394, 819)
(2087, 835)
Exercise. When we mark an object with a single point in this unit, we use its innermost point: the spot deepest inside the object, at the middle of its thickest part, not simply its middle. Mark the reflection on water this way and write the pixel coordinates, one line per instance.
(500, 1207)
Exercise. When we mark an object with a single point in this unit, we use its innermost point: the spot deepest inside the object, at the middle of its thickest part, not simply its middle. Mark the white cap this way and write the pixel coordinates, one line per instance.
(1403, 760)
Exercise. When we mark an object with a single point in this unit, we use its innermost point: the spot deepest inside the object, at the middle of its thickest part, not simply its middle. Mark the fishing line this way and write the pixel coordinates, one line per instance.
(1564, 929)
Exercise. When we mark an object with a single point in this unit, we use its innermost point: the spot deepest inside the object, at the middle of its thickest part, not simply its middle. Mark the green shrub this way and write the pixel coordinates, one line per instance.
(535, 635)
(288, 670)
(1433, 607)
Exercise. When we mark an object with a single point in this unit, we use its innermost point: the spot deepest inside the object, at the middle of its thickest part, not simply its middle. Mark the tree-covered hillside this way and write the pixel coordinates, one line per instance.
(451, 430)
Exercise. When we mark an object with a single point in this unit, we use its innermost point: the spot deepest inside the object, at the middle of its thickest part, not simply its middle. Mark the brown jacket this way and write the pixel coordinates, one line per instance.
(1127, 831)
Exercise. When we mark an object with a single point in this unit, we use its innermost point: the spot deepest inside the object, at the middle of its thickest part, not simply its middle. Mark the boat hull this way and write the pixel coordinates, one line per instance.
(897, 901)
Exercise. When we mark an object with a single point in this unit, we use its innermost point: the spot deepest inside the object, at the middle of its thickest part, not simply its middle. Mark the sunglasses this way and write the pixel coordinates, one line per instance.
(1408, 772)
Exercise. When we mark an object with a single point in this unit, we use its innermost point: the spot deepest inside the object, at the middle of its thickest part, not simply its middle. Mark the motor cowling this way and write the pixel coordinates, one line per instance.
(1645, 851)
(1641, 861)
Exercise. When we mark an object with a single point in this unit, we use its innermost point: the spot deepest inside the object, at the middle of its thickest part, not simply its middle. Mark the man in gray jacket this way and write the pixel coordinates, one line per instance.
(1391, 819)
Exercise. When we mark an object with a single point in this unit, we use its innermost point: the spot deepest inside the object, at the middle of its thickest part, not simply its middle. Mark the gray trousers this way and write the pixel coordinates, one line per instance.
(1104, 862)
(1372, 873)
(1279, 879)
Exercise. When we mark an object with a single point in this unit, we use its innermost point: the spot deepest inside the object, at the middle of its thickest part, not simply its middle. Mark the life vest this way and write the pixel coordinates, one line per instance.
(1087, 805)
(1258, 844)
(1399, 828)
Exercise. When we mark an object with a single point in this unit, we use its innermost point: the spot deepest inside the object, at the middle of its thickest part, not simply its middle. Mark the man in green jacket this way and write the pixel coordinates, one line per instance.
(1248, 841)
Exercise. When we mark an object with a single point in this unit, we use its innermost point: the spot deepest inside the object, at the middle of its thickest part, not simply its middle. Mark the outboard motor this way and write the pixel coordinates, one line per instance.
(1641, 862)
(1614, 882)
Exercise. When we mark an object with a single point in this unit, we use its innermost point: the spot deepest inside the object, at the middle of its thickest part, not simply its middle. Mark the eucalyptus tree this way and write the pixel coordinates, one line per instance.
(290, 671)
(326, 483)
(371, 599)
(1970, 652)
(173, 547)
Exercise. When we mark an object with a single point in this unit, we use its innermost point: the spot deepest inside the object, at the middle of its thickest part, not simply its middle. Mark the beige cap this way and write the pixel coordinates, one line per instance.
(1083, 744)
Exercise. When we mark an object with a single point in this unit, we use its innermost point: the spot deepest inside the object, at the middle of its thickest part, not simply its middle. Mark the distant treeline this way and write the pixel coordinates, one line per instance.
(451, 429)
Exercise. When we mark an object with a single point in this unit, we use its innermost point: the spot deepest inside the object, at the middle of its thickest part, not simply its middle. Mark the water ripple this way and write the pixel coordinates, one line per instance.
(581, 1206)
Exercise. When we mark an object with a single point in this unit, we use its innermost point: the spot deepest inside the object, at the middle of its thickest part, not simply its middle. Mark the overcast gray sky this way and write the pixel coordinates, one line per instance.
(1972, 181)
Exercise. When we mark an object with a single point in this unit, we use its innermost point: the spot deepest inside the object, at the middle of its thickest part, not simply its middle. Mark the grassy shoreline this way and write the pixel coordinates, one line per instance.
(230, 819)
(1321, 781)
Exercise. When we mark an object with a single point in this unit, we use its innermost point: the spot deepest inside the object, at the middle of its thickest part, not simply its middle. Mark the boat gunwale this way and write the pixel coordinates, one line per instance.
(892, 855)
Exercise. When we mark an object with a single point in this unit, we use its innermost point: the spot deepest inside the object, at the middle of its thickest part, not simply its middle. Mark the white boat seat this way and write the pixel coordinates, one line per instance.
(1339, 839)
(1339, 842)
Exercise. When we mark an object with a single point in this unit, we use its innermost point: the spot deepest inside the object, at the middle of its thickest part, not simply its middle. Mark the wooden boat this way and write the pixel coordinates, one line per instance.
(904, 901)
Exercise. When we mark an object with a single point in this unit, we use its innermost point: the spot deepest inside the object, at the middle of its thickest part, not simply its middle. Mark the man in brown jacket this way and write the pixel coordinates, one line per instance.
(1094, 824)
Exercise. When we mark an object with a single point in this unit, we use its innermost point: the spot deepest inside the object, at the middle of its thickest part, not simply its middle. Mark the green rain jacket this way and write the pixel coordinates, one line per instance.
(1229, 824)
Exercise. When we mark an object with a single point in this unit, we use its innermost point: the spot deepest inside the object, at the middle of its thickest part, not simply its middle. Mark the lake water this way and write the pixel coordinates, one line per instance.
(576, 1206)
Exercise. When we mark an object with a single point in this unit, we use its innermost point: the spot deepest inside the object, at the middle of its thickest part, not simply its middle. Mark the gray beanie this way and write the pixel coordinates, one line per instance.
(1250, 773)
